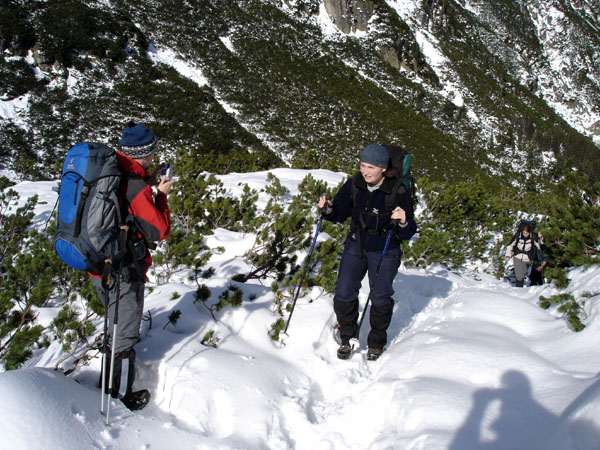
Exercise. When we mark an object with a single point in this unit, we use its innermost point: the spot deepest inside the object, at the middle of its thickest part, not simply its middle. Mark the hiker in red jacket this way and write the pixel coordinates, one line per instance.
(147, 215)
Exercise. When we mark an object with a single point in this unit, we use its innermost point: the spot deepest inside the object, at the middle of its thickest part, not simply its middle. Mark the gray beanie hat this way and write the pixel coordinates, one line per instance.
(376, 155)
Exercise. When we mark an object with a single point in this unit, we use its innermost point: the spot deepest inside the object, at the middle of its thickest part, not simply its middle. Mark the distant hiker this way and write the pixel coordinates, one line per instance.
(536, 277)
(522, 248)
(148, 218)
(363, 198)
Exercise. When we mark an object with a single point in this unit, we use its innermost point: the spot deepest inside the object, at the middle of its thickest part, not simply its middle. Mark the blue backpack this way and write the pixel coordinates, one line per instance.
(89, 215)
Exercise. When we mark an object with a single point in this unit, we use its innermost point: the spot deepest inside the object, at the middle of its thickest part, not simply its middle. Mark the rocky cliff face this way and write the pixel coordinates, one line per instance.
(568, 66)
(552, 47)
(350, 15)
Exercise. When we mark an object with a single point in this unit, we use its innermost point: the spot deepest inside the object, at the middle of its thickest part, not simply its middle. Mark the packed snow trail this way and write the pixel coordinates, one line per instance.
(437, 363)
(471, 363)
(416, 396)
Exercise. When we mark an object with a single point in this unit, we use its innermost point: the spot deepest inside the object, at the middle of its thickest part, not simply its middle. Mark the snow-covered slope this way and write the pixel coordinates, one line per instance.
(471, 363)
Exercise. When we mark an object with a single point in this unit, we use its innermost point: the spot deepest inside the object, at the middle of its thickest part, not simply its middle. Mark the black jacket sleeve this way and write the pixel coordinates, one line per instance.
(342, 204)
(407, 230)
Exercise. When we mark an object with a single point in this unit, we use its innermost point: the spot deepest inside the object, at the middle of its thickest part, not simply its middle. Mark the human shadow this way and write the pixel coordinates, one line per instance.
(510, 418)
(520, 423)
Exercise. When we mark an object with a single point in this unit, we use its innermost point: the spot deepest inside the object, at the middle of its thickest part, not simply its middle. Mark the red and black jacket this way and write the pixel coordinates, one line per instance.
(147, 214)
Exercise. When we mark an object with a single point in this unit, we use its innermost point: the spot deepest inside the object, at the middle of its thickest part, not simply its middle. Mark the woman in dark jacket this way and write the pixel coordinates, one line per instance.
(363, 198)
(523, 248)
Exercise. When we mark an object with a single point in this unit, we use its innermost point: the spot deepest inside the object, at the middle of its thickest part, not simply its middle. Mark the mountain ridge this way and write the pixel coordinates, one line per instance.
(467, 86)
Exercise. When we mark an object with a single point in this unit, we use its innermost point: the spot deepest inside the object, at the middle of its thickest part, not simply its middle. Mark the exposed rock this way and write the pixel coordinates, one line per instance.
(350, 15)
(390, 56)
(44, 63)
(41, 60)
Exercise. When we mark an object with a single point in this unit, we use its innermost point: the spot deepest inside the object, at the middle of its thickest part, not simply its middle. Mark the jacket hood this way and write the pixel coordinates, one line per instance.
(129, 165)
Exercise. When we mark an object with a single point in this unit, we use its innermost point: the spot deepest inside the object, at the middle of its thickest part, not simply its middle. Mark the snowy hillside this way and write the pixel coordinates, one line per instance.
(471, 363)
(505, 90)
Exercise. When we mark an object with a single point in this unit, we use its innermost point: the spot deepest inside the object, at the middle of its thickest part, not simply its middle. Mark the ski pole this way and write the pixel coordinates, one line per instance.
(306, 266)
(362, 317)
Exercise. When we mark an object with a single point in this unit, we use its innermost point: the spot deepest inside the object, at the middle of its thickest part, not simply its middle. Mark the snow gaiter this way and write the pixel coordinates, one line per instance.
(379, 318)
(347, 316)
(130, 372)
(119, 357)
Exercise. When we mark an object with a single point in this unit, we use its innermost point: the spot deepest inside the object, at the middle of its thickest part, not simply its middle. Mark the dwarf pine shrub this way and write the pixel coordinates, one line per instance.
(568, 305)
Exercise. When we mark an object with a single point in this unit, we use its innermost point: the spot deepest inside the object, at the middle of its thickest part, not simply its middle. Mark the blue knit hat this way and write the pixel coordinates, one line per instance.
(376, 155)
(137, 141)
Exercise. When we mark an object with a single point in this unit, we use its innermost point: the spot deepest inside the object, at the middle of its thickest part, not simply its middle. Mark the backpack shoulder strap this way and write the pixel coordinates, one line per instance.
(354, 189)
(515, 237)
(398, 188)
(124, 197)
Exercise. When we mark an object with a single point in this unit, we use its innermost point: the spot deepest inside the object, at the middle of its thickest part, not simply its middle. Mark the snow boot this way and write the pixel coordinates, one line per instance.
(136, 400)
(519, 283)
(373, 354)
(344, 352)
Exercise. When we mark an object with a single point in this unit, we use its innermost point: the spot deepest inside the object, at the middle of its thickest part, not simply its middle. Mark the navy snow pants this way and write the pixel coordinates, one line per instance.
(350, 275)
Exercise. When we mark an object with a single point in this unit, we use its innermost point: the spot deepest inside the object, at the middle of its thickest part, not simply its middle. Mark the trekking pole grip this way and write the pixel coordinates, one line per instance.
(326, 209)
(106, 273)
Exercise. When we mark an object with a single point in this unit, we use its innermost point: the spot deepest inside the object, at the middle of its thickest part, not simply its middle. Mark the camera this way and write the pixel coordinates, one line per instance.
(167, 170)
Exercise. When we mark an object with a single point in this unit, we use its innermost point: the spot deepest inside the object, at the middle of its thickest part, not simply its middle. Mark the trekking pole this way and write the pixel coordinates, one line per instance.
(306, 266)
(362, 317)
(122, 241)
(114, 344)
(105, 284)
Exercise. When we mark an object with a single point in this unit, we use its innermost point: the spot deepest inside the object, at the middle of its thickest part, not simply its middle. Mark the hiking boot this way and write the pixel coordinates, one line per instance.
(374, 353)
(344, 351)
(136, 400)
